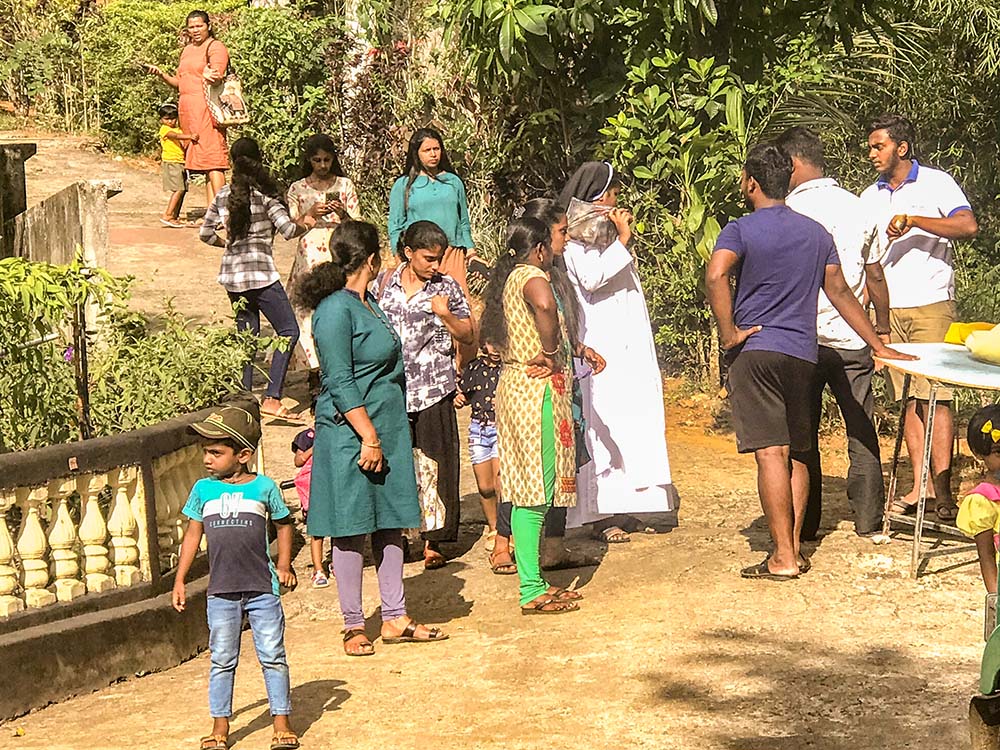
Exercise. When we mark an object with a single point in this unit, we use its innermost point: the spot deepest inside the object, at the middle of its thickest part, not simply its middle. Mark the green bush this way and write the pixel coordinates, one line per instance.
(140, 372)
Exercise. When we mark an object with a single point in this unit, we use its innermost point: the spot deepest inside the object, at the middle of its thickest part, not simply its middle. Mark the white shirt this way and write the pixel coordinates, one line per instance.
(919, 265)
(840, 212)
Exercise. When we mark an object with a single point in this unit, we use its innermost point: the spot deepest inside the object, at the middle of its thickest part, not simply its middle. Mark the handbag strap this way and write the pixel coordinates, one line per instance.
(208, 48)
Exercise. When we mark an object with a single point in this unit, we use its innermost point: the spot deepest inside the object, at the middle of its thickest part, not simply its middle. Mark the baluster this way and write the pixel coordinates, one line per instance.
(31, 546)
(94, 535)
(62, 541)
(162, 511)
(124, 530)
(9, 604)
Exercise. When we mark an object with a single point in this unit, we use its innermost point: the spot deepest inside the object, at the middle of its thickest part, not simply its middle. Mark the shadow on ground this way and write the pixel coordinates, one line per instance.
(309, 702)
(786, 694)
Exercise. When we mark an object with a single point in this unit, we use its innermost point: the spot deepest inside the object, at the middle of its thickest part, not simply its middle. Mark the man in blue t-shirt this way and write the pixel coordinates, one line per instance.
(781, 259)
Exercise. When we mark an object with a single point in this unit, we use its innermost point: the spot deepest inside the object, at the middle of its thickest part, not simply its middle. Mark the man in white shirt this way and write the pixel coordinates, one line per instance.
(918, 212)
(845, 363)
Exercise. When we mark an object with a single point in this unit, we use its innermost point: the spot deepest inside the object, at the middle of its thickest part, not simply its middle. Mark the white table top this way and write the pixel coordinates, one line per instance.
(948, 364)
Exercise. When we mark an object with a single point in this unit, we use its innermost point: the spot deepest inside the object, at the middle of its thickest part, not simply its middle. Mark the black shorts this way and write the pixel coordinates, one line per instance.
(770, 394)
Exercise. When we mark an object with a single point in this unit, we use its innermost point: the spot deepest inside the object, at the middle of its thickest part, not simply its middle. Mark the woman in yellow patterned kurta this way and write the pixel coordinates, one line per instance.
(533, 402)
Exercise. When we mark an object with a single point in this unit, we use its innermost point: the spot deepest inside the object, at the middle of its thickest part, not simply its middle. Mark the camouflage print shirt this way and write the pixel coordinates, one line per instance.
(428, 350)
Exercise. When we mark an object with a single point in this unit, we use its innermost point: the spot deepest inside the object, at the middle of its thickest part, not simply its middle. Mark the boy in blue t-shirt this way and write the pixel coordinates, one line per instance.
(231, 507)
(781, 259)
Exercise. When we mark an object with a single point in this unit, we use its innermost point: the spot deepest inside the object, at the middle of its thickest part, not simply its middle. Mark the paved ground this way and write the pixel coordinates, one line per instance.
(671, 649)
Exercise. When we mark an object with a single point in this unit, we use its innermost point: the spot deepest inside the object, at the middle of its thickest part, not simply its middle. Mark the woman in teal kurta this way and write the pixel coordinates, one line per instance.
(362, 478)
(429, 190)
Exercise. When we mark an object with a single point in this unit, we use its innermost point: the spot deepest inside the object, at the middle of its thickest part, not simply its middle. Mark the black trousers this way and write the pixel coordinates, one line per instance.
(848, 373)
(435, 432)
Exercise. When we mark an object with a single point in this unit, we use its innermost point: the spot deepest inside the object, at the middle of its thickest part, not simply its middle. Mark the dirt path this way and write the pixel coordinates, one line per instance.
(671, 649)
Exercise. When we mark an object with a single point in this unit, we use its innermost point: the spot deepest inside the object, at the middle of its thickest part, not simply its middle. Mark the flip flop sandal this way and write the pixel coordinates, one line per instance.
(504, 568)
(805, 564)
(762, 572)
(538, 608)
(409, 635)
(946, 511)
(434, 563)
(615, 535)
(903, 509)
(284, 741)
(214, 742)
(353, 633)
(172, 224)
(566, 595)
(282, 413)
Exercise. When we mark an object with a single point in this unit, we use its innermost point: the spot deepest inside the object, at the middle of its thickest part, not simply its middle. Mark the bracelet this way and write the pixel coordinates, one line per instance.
(553, 353)
(883, 331)
(376, 444)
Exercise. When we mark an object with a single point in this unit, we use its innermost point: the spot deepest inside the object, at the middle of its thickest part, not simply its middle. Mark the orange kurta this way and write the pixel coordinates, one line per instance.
(210, 152)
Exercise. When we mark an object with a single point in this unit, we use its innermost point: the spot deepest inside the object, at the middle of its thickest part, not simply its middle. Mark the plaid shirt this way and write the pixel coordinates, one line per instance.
(248, 263)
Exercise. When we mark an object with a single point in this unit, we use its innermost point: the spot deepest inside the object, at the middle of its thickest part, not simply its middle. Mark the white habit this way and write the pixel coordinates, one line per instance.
(623, 406)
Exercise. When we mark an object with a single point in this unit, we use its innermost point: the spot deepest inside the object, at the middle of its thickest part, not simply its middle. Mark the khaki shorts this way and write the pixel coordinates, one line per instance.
(920, 325)
(174, 177)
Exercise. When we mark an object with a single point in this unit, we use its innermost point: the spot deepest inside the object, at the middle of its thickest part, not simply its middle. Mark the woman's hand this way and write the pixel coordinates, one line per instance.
(541, 366)
(460, 400)
(622, 219)
(154, 70)
(319, 209)
(338, 208)
(592, 358)
(439, 305)
(371, 457)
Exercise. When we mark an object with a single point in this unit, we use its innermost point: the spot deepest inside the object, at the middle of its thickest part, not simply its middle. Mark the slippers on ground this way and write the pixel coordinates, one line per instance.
(284, 741)
(615, 535)
(214, 742)
(902, 508)
(550, 605)
(502, 568)
(434, 562)
(565, 595)
(283, 413)
(367, 648)
(946, 511)
(173, 223)
(762, 572)
(409, 635)
(805, 564)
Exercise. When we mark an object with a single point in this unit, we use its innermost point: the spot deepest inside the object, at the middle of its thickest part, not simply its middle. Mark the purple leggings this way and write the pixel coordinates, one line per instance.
(349, 563)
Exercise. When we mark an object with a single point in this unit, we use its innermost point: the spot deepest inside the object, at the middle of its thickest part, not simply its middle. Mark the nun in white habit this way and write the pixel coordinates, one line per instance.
(623, 406)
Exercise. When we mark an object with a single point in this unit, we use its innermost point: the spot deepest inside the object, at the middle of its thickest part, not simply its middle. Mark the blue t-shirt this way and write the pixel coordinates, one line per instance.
(783, 258)
(235, 520)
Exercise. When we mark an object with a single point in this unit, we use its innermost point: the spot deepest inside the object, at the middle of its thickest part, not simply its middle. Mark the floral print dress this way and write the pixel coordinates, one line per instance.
(314, 248)
(519, 406)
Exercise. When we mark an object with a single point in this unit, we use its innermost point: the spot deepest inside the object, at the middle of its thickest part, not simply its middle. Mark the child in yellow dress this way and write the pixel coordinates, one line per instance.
(979, 514)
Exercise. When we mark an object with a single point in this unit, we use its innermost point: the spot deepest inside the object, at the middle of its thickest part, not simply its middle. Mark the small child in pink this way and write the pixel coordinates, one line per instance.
(302, 447)
(979, 513)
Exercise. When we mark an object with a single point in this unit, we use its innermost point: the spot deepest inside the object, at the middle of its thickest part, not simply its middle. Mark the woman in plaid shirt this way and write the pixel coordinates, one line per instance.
(250, 211)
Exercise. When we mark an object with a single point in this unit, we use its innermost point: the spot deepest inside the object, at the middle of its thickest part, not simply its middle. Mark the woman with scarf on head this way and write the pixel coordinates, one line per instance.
(623, 408)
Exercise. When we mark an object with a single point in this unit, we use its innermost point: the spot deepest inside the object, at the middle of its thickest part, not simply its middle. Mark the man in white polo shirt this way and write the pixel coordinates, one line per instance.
(919, 212)
(845, 362)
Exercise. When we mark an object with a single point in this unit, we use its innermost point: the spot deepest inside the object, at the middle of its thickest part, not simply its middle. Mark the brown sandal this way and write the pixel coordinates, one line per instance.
(350, 635)
(565, 595)
(409, 635)
(284, 741)
(214, 742)
(502, 568)
(538, 607)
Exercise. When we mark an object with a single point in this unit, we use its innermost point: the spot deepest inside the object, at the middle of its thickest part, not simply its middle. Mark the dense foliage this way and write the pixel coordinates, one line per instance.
(140, 372)
(672, 91)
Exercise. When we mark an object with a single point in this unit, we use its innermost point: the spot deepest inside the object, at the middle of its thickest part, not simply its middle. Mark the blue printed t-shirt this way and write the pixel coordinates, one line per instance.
(783, 258)
(235, 520)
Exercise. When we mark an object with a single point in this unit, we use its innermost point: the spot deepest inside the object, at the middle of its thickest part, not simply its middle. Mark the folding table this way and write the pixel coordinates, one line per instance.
(943, 365)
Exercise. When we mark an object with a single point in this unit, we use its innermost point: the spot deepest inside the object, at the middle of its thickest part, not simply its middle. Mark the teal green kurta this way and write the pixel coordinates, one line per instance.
(361, 363)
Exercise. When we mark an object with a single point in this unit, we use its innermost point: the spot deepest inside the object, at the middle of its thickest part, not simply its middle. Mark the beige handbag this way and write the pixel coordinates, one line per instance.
(431, 506)
(225, 99)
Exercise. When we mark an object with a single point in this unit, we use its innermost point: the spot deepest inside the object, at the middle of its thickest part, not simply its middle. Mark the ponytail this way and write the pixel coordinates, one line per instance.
(248, 175)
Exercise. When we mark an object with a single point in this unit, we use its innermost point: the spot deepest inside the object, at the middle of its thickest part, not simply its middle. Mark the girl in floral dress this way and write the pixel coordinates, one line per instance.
(324, 182)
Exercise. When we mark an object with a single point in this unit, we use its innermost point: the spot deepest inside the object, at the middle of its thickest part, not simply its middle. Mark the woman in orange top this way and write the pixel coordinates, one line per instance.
(204, 58)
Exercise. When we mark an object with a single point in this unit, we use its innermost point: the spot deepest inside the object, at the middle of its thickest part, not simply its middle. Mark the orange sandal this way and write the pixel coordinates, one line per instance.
(284, 741)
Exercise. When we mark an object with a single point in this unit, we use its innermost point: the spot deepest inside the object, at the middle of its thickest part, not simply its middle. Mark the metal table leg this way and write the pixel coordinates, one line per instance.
(924, 475)
(890, 495)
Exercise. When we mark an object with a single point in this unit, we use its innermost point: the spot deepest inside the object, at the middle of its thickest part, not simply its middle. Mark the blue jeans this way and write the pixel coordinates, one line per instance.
(267, 624)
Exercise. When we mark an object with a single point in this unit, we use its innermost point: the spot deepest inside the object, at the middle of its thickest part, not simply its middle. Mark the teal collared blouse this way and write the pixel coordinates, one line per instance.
(441, 200)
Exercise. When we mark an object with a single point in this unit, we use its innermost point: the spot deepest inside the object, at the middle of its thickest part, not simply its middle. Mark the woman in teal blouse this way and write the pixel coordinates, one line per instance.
(363, 480)
(429, 190)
